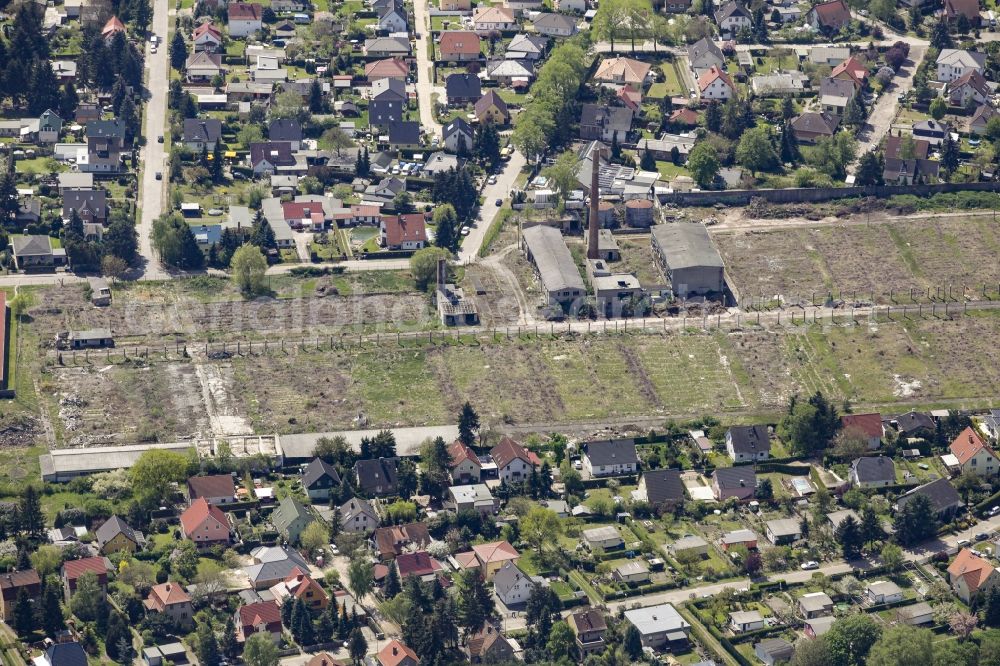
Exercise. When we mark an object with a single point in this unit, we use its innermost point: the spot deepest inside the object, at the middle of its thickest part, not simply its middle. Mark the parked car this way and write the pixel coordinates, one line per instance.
(962, 543)
(159, 176)
(809, 566)
(498, 202)
(982, 536)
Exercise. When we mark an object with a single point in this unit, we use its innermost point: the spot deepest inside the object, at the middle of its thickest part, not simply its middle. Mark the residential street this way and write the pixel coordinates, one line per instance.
(425, 86)
(153, 156)
(469, 252)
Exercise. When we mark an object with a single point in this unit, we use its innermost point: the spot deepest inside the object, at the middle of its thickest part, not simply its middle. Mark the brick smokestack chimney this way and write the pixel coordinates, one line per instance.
(592, 223)
(442, 273)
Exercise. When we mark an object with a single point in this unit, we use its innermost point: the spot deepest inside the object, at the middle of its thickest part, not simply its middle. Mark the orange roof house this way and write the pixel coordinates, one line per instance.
(493, 555)
(388, 68)
(205, 523)
(112, 27)
(459, 45)
(465, 466)
(970, 573)
(299, 585)
(867, 425)
(714, 83)
(850, 70)
(622, 70)
(973, 454)
(397, 654)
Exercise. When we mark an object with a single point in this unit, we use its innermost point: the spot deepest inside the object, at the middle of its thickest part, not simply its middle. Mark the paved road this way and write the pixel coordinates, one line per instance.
(425, 86)
(469, 252)
(153, 191)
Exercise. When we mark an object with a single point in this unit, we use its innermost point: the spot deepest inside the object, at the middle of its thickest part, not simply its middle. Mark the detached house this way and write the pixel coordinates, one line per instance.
(203, 67)
(388, 102)
(115, 536)
(207, 37)
(72, 570)
(491, 18)
(589, 627)
(205, 524)
(245, 18)
(611, 458)
(514, 462)
(173, 601)
(390, 542)
(747, 443)
(605, 123)
(967, 8)
(971, 573)
(829, 17)
(90, 205)
(944, 499)
(731, 18)
(555, 25)
(973, 454)
(459, 46)
(660, 488)
(458, 136)
(873, 472)
(704, 55)
(867, 426)
(318, 479)
(622, 71)
(490, 108)
(512, 585)
(489, 646)
(883, 592)
(12, 584)
(290, 518)
(267, 158)
(462, 89)
(659, 626)
(715, 84)
(403, 232)
(377, 478)
(397, 654)
(835, 95)
(393, 20)
(953, 64)
(815, 604)
(357, 515)
(263, 617)
(738, 482)
(810, 127)
(297, 586)
(202, 133)
(970, 86)
(465, 466)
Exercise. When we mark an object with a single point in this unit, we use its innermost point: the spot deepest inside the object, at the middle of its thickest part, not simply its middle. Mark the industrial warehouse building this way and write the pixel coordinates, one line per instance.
(560, 278)
(689, 259)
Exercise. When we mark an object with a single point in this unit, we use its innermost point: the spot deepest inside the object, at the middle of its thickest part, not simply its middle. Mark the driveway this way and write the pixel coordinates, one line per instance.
(153, 155)
(489, 210)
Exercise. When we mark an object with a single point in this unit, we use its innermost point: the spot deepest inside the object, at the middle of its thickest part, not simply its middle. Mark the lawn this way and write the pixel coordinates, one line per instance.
(669, 170)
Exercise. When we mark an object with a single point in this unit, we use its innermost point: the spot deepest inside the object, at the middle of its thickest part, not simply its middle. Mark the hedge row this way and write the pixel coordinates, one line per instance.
(639, 591)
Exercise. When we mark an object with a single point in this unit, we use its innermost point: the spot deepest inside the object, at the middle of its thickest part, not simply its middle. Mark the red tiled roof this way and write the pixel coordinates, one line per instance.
(394, 653)
(508, 450)
(325, 659)
(245, 11)
(73, 569)
(833, 14)
(387, 68)
(496, 551)
(869, 424)
(416, 564)
(401, 229)
(459, 41)
(973, 568)
(855, 69)
(197, 513)
(208, 27)
(709, 77)
(112, 26)
(262, 612)
(218, 485)
(967, 445)
(13, 582)
(168, 594)
(459, 452)
(686, 116)
(969, 8)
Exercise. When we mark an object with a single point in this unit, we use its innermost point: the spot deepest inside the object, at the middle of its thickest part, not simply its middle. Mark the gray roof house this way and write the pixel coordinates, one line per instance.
(772, 650)
(835, 95)
(377, 477)
(202, 133)
(526, 47)
(605, 123)
(290, 518)
(458, 136)
(318, 478)
(388, 101)
(659, 626)
(705, 54)
(512, 585)
(945, 500)
(660, 486)
(555, 25)
(404, 134)
(783, 530)
(873, 472)
(745, 443)
(273, 564)
(610, 458)
(112, 528)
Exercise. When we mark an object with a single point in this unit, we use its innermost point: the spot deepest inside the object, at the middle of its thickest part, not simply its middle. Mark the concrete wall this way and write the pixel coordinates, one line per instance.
(816, 194)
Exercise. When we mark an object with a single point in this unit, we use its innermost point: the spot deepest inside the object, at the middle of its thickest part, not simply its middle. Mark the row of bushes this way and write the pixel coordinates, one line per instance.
(640, 591)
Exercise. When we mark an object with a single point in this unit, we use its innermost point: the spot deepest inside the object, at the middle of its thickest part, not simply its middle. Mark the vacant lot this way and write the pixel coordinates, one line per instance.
(211, 308)
(898, 256)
